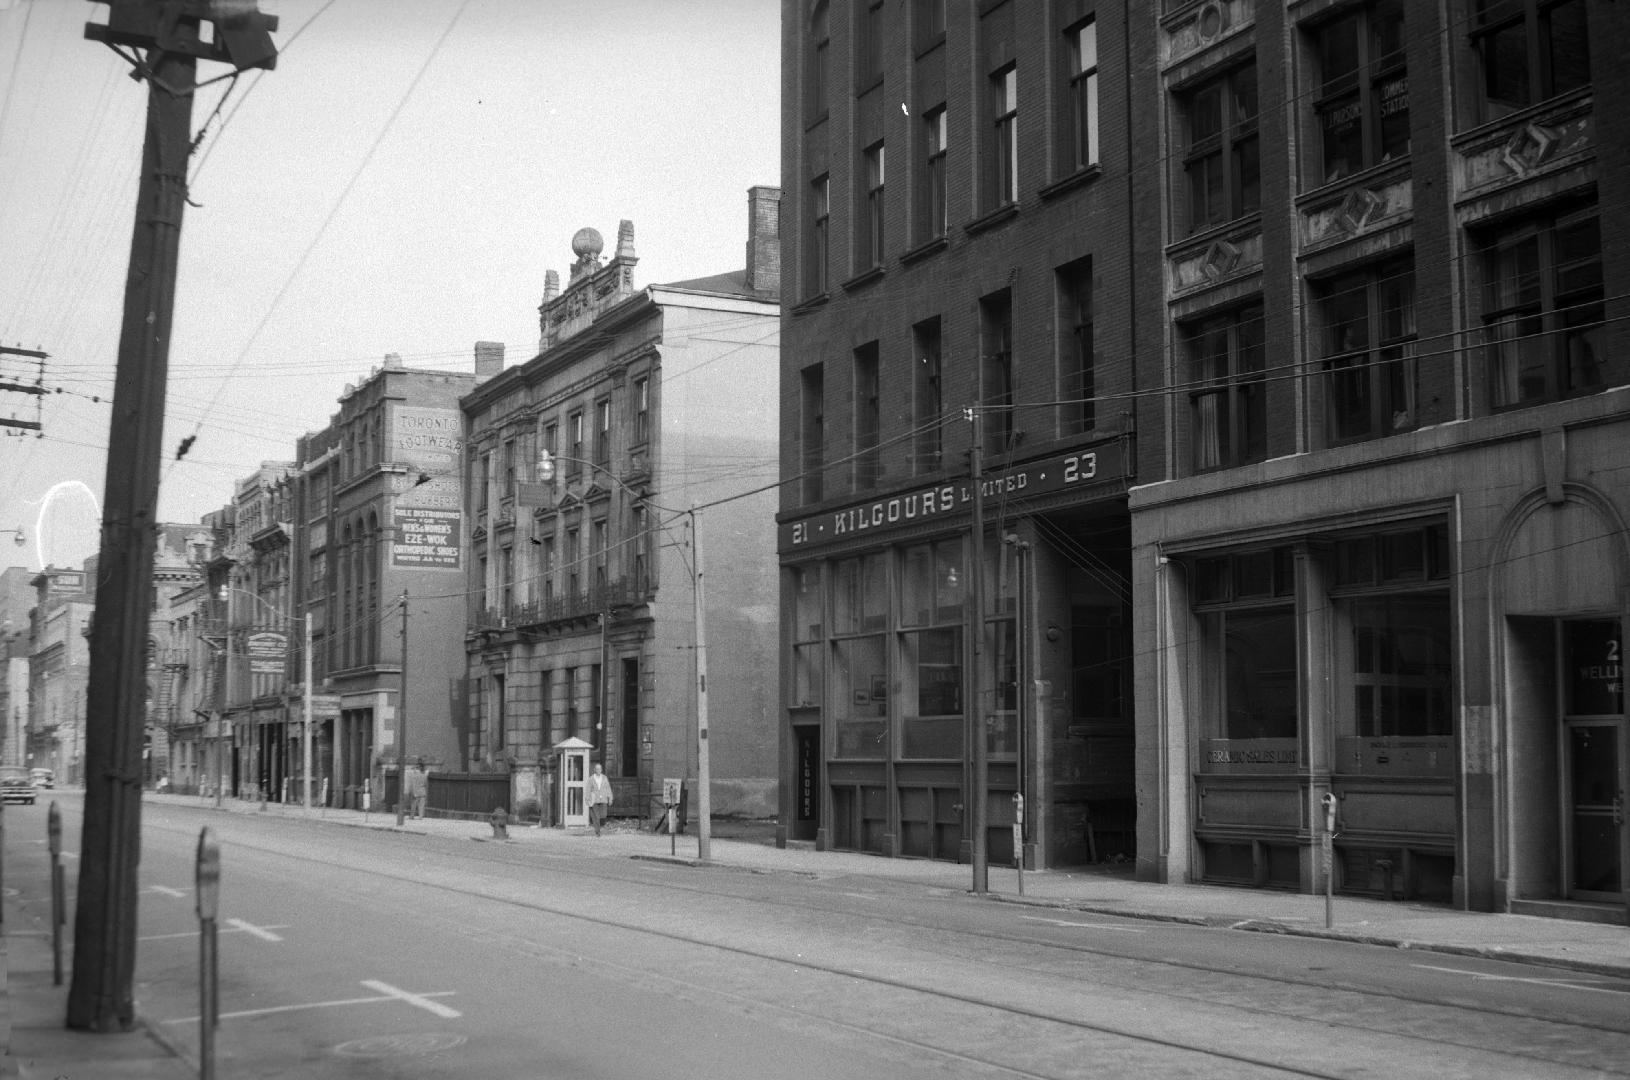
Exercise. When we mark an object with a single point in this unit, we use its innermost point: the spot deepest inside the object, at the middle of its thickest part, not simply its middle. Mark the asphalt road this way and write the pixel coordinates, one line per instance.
(359, 954)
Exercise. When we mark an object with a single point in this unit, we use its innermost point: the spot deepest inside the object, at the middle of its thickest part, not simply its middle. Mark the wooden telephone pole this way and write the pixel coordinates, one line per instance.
(100, 997)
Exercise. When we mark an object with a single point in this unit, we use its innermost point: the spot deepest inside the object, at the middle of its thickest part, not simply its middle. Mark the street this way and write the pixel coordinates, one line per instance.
(356, 953)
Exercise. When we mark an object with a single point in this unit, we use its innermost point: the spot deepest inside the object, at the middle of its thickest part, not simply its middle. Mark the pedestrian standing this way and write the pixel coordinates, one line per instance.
(417, 784)
(599, 798)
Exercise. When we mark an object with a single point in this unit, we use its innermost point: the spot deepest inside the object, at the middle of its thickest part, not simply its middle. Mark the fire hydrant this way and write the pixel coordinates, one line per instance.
(500, 823)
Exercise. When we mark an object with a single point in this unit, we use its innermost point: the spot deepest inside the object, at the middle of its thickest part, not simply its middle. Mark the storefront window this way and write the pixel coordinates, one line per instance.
(1259, 674)
(806, 675)
(1398, 653)
(931, 675)
(806, 603)
(860, 700)
(932, 584)
(1401, 666)
(860, 599)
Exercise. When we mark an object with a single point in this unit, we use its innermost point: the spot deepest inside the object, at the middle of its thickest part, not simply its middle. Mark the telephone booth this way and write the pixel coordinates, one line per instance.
(574, 781)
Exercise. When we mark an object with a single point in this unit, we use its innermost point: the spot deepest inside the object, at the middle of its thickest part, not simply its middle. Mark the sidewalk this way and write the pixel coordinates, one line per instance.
(40, 1047)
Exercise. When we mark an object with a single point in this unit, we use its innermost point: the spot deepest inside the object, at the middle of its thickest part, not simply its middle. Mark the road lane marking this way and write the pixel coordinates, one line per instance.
(421, 1000)
(257, 931)
(166, 890)
(1085, 925)
(1564, 984)
(393, 994)
(263, 933)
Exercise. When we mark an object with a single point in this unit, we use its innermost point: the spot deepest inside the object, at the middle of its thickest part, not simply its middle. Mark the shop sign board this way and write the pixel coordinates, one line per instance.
(267, 651)
(426, 538)
(1077, 470)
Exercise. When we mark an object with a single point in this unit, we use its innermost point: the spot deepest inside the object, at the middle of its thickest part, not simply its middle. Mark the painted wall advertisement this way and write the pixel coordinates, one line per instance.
(429, 442)
(426, 538)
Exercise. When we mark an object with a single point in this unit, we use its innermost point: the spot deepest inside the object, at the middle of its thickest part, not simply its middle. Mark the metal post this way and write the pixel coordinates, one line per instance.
(982, 698)
(305, 680)
(703, 779)
(1327, 849)
(221, 726)
(59, 897)
(605, 673)
(207, 870)
(401, 721)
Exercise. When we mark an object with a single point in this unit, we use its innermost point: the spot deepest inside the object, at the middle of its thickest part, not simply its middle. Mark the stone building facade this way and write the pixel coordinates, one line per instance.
(582, 468)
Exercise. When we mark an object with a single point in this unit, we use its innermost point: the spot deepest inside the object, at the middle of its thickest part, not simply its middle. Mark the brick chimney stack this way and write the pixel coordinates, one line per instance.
(764, 239)
(489, 358)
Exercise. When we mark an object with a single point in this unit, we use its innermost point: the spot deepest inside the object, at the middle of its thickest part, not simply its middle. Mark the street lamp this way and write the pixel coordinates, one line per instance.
(305, 688)
(546, 472)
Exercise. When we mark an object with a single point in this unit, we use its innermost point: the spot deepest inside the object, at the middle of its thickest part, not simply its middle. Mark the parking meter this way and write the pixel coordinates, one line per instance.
(53, 830)
(208, 874)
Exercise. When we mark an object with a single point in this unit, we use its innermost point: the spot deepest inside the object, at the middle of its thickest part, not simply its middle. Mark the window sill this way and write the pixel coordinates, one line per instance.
(996, 217)
(862, 279)
(923, 251)
(811, 304)
(866, 87)
(928, 45)
(1079, 178)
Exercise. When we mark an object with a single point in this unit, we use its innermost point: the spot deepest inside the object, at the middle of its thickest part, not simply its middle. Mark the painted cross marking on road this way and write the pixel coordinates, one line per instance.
(422, 1001)
(387, 992)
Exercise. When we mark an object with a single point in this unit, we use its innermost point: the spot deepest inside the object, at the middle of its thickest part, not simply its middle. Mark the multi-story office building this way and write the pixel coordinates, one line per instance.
(1387, 559)
(377, 517)
(1347, 272)
(16, 644)
(59, 667)
(963, 217)
(582, 467)
(250, 624)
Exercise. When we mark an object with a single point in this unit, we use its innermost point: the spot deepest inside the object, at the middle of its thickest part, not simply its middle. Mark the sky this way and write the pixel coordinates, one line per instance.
(400, 183)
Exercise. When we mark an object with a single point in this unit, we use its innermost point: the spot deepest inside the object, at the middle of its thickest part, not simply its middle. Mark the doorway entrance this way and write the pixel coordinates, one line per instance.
(1595, 758)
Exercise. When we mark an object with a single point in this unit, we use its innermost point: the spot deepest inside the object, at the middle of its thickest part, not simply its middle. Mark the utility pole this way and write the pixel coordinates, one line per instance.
(101, 996)
(305, 711)
(401, 723)
(983, 692)
(704, 780)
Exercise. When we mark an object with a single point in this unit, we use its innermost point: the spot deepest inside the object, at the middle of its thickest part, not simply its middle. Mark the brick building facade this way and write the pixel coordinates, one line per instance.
(1354, 384)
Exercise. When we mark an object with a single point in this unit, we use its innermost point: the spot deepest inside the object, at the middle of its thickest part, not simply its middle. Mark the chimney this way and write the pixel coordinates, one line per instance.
(489, 358)
(393, 361)
(764, 240)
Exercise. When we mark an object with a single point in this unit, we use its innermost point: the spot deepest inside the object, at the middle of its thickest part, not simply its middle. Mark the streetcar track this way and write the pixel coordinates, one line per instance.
(672, 883)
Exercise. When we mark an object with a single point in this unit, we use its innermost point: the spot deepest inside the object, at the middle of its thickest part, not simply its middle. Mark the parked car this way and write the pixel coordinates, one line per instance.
(44, 778)
(16, 785)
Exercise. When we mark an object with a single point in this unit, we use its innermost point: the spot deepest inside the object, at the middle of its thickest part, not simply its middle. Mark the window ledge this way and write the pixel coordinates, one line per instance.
(923, 251)
(810, 305)
(991, 220)
(1076, 179)
(866, 87)
(862, 279)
